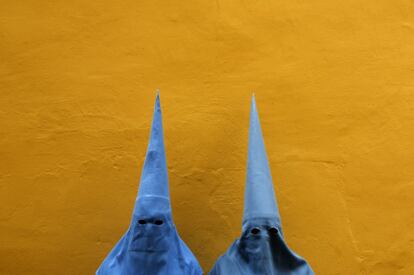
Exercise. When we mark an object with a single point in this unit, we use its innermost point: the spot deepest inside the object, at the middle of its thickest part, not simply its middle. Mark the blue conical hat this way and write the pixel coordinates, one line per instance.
(259, 199)
(154, 177)
(150, 247)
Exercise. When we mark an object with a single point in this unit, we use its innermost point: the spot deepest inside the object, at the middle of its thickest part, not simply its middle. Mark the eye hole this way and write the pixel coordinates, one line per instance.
(158, 222)
(142, 221)
(255, 231)
(273, 230)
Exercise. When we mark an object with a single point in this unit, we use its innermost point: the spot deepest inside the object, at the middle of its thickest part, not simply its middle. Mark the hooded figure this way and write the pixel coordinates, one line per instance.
(261, 248)
(152, 246)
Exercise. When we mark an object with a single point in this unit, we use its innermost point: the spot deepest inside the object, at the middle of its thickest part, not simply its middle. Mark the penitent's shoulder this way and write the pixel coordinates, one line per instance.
(226, 263)
(191, 264)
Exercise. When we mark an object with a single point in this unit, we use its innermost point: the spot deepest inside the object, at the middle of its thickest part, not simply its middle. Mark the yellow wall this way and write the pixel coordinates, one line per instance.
(334, 83)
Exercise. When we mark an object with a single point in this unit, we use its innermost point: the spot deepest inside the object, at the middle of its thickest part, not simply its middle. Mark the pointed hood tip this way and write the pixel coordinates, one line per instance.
(157, 101)
(154, 175)
(253, 102)
(260, 199)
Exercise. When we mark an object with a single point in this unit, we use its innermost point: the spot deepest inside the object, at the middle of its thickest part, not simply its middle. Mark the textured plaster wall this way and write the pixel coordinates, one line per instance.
(334, 83)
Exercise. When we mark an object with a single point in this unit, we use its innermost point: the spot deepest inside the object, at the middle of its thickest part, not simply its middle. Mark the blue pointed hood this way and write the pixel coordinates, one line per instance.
(152, 244)
(154, 177)
(259, 198)
(261, 249)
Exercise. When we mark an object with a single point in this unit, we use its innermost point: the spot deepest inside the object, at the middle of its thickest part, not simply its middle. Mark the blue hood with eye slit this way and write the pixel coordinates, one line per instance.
(152, 246)
(261, 250)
